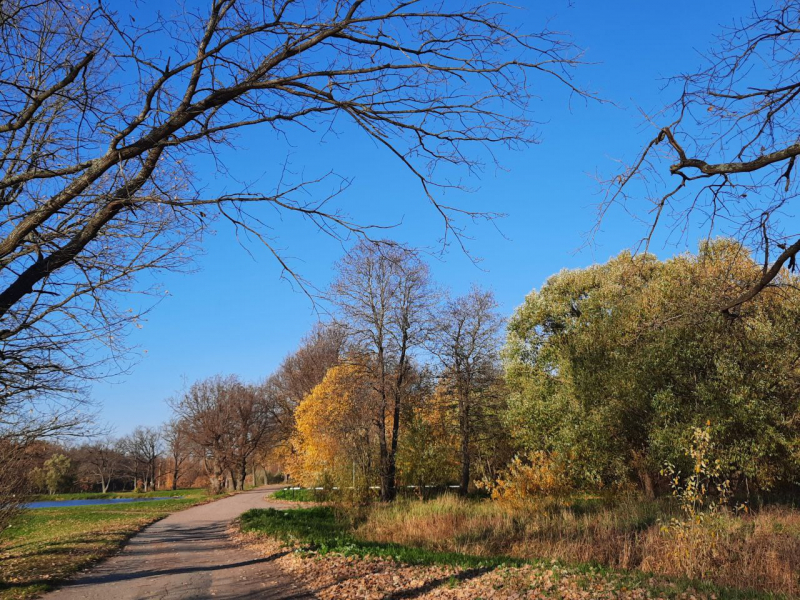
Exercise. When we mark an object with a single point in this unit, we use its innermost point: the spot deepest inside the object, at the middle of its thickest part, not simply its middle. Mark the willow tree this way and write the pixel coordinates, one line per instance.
(612, 367)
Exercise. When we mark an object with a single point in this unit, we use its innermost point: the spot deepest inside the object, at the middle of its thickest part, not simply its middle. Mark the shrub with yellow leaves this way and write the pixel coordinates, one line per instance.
(704, 495)
(705, 490)
(528, 479)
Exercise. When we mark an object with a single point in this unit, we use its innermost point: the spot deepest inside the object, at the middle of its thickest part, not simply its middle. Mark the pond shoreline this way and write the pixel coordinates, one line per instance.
(93, 502)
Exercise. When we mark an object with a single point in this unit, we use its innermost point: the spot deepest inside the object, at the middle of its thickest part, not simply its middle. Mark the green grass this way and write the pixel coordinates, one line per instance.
(299, 495)
(43, 546)
(190, 492)
(319, 530)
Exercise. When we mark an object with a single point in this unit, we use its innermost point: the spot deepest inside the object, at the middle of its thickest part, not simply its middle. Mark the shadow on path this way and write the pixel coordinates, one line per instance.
(127, 576)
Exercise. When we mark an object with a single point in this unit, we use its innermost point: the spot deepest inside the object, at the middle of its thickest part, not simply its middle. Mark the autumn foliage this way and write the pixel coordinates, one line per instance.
(625, 419)
(604, 375)
(334, 429)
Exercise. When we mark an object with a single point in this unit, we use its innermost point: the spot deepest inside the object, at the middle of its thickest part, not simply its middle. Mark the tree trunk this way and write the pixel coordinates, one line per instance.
(391, 467)
(215, 480)
(390, 485)
(391, 457)
(242, 474)
(385, 472)
(463, 487)
(647, 484)
(645, 477)
(232, 483)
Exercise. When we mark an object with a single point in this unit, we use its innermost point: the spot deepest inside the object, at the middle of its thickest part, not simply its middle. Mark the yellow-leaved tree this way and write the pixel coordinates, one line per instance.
(334, 435)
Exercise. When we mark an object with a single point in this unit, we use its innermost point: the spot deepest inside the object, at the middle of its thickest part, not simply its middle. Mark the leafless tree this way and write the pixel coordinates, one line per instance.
(229, 422)
(144, 448)
(102, 114)
(385, 296)
(301, 372)
(467, 344)
(729, 144)
(14, 482)
(201, 409)
(250, 419)
(177, 448)
(28, 422)
(99, 462)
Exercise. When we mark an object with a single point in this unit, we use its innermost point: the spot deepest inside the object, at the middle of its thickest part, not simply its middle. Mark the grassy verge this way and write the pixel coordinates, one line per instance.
(194, 492)
(299, 495)
(319, 530)
(44, 546)
(758, 550)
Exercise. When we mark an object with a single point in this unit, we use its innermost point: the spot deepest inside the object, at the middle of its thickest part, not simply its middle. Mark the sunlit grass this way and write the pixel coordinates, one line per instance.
(469, 533)
(298, 495)
(187, 492)
(320, 530)
(757, 550)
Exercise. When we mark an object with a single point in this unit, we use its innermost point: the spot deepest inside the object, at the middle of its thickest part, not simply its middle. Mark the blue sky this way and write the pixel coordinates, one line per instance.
(235, 315)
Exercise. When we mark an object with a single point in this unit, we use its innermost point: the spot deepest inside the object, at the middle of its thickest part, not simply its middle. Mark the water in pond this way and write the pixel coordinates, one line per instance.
(63, 503)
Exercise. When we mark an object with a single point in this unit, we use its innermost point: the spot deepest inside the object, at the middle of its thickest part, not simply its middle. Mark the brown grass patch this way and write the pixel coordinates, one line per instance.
(759, 551)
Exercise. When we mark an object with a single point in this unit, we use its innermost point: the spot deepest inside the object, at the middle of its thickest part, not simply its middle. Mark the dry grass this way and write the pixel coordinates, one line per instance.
(760, 551)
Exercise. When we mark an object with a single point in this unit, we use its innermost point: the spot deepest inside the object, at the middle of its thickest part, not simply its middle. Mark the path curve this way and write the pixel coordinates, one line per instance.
(188, 555)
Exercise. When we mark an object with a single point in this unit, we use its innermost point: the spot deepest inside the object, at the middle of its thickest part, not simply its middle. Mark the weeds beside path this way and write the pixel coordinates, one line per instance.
(348, 566)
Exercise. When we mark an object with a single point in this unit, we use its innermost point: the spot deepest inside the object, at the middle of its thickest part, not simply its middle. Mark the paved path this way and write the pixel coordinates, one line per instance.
(188, 555)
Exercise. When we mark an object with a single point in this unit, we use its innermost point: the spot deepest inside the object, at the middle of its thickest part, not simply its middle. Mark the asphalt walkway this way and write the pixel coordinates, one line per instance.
(188, 555)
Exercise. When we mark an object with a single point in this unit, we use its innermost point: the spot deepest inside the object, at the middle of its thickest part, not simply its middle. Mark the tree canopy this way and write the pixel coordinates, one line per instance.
(610, 367)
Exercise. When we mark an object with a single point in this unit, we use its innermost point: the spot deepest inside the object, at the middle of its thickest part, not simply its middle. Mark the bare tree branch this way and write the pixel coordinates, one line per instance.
(102, 116)
(732, 144)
